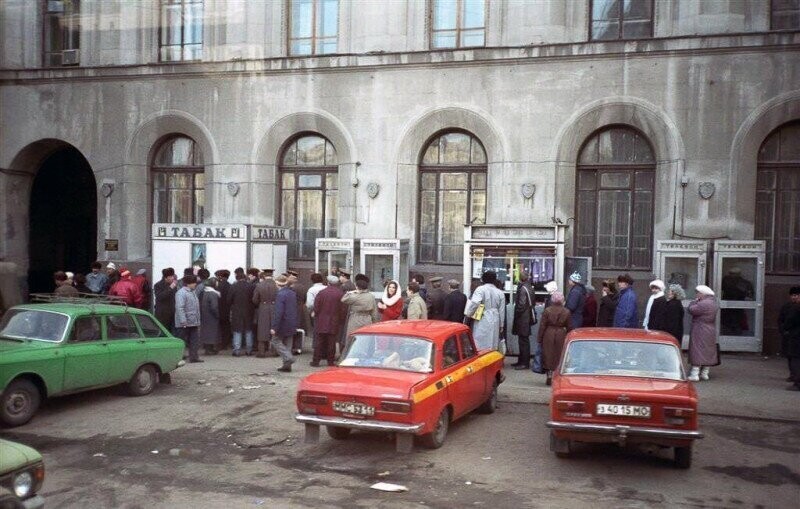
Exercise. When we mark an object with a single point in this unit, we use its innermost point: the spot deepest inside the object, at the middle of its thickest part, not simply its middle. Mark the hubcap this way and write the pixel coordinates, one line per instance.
(17, 402)
(144, 380)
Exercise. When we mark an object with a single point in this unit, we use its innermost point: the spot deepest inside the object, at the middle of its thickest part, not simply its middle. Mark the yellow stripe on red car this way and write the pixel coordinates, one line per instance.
(478, 364)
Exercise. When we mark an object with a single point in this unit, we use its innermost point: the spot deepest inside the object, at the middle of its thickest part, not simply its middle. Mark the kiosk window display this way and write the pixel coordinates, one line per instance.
(332, 255)
(209, 246)
(269, 246)
(508, 250)
(684, 263)
(739, 285)
(383, 260)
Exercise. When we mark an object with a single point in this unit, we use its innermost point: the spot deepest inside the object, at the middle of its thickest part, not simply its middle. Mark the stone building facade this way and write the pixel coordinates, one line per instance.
(701, 84)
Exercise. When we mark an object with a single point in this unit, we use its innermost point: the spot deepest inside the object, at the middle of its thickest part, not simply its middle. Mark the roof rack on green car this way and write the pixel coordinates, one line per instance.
(84, 299)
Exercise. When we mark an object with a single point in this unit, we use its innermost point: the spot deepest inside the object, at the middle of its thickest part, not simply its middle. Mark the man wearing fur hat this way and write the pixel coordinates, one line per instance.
(284, 322)
(626, 314)
(576, 299)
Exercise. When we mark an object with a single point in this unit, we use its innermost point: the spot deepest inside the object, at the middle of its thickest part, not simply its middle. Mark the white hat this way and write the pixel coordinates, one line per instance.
(112, 266)
(332, 280)
(704, 290)
(70, 275)
(575, 277)
(141, 272)
(551, 287)
(658, 284)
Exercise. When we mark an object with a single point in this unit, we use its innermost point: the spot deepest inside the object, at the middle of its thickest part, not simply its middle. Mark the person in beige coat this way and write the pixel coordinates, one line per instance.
(417, 309)
(361, 307)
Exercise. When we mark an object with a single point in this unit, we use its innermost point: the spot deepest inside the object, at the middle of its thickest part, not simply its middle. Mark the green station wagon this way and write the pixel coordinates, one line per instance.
(66, 347)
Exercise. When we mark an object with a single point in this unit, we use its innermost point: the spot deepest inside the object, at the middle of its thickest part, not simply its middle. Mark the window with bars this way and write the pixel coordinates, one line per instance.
(178, 182)
(313, 27)
(458, 23)
(615, 199)
(181, 30)
(61, 32)
(452, 193)
(621, 19)
(778, 199)
(309, 193)
(785, 14)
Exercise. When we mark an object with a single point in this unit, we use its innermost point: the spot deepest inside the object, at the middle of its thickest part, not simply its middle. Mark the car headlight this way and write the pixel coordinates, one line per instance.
(23, 484)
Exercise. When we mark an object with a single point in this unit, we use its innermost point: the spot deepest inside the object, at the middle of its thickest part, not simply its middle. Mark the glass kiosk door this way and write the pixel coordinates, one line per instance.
(684, 263)
(334, 254)
(739, 285)
(384, 260)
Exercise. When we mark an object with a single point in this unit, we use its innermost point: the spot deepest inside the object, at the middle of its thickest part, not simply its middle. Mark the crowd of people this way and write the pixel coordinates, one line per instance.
(267, 316)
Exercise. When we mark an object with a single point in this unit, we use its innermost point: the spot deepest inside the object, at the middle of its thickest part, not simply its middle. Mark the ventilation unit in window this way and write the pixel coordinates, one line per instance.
(70, 57)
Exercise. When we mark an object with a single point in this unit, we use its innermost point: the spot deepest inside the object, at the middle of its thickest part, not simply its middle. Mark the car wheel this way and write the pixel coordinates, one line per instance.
(683, 457)
(337, 432)
(143, 381)
(560, 446)
(490, 405)
(21, 400)
(435, 439)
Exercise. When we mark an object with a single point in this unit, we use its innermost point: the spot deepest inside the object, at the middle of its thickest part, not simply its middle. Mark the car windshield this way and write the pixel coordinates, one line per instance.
(623, 358)
(389, 352)
(33, 324)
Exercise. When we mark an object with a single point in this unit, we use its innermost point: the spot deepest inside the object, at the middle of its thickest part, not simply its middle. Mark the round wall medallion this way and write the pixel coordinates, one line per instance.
(233, 188)
(373, 189)
(528, 190)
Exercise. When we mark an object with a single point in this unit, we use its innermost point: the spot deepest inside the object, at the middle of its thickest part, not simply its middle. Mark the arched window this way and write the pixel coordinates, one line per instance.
(178, 182)
(452, 193)
(309, 192)
(615, 188)
(778, 198)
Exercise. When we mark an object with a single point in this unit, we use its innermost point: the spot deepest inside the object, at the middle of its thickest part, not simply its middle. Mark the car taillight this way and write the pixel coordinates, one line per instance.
(398, 407)
(312, 399)
(675, 415)
(570, 406)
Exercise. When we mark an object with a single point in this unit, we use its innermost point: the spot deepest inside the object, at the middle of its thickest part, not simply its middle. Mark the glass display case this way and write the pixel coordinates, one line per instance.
(332, 255)
(509, 251)
(269, 247)
(739, 285)
(683, 262)
(384, 260)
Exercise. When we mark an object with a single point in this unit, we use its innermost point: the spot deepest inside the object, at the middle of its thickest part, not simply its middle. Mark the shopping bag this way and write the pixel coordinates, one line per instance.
(478, 314)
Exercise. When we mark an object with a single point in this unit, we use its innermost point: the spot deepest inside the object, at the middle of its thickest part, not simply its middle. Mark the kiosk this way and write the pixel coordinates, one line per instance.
(508, 250)
(383, 260)
(268, 247)
(209, 246)
(683, 262)
(739, 285)
(334, 254)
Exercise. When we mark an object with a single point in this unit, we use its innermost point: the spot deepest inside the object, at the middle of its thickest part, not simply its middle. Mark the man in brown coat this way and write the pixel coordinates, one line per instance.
(435, 300)
(328, 313)
(264, 300)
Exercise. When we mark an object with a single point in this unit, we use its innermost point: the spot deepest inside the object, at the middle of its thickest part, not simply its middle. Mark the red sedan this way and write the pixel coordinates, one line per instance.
(623, 386)
(410, 378)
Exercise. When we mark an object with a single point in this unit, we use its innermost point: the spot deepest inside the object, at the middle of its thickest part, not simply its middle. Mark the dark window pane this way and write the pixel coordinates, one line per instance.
(605, 30)
(790, 142)
(121, 327)
(637, 9)
(605, 9)
(615, 179)
(587, 180)
(149, 327)
(636, 29)
(86, 329)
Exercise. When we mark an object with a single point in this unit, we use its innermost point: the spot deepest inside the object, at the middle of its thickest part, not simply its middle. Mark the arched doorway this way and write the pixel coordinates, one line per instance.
(63, 218)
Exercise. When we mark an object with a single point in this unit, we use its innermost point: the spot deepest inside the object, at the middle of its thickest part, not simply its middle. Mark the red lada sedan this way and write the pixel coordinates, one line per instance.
(623, 386)
(411, 378)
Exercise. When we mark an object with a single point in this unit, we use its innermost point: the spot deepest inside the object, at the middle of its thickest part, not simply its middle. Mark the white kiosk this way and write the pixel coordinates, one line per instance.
(268, 247)
(508, 250)
(209, 246)
(383, 260)
(683, 262)
(739, 285)
(334, 254)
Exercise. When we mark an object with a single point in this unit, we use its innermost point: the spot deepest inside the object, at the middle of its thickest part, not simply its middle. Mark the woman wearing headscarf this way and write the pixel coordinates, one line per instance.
(553, 329)
(673, 312)
(703, 335)
(608, 304)
(486, 329)
(391, 304)
(654, 312)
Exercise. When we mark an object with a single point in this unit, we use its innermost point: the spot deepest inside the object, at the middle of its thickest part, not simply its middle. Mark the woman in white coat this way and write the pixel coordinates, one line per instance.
(486, 331)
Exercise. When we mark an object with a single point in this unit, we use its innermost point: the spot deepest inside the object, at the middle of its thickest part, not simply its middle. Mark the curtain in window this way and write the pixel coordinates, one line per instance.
(178, 182)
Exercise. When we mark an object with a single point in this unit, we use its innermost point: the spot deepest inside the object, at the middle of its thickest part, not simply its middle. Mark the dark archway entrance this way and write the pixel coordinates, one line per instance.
(63, 218)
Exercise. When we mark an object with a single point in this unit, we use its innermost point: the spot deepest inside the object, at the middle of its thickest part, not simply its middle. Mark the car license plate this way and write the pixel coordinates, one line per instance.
(353, 408)
(624, 410)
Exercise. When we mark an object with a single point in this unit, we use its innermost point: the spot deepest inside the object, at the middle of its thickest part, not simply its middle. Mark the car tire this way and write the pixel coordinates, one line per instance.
(143, 381)
(20, 401)
(436, 438)
(683, 457)
(490, 405)
(338, 432)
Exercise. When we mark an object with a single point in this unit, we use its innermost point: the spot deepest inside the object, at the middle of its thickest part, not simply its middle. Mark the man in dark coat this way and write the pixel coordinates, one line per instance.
(284, 322)
(420, 280)
(328, 313)
(435, 300)
(240, 301)
(524, 318)
(626, 315)
(454, 303)
(224, 287)
(789, 328)
(347, 284)
(300, 291)
(576, 300)
(164, 292)
(264, 299)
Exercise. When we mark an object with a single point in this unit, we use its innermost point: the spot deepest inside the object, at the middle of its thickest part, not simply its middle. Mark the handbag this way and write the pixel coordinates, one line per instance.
(478, 314)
